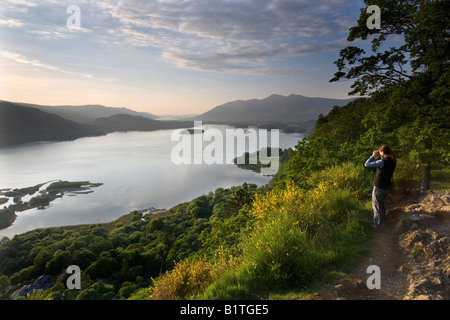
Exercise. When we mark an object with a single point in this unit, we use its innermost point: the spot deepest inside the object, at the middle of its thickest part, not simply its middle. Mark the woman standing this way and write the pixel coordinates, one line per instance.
(382, 181)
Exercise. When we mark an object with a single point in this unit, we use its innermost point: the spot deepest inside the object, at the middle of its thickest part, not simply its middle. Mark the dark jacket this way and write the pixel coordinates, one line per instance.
(383, 177)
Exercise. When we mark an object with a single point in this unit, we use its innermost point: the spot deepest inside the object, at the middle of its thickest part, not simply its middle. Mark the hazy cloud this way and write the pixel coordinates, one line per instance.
(11, 23)
(242, 36)
(19, 58)
(245, 36)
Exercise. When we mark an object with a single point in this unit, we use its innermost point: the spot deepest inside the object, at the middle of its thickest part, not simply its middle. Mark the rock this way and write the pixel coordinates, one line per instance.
(427, 220)
(4, 240)
(402, 225)
(431, 202)
(414, 221)
(437, 247)
(422, 297)
(411, 239)
(446, 271)
(423, 235)
(348, 288)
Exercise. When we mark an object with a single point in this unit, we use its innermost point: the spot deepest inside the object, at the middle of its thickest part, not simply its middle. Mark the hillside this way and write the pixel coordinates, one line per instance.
(275, 108)
(123, 122)
(86, 113)
(25, 123)
(309, 233)
(19, 124)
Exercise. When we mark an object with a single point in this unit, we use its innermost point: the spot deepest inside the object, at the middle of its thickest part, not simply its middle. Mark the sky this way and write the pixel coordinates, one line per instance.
(171, 56)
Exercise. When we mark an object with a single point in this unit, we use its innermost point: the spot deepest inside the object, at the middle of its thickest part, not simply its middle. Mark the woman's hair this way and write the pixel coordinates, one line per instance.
(387, 151)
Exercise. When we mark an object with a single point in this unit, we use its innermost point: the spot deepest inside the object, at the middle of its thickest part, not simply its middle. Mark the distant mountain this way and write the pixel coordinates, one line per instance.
(19, 124)
(87, 113)
(24, 123)
(176, 116)
(124, 122)
(275, 108)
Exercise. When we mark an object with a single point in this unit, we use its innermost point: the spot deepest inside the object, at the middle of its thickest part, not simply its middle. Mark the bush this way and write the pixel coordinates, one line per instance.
(187, 278)
(42, 200)
(346, 176)
(297, 235)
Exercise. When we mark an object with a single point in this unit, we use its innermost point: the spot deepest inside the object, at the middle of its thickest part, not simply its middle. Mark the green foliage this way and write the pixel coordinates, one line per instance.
(337, 139)
(127, 252)
(297, 237)
(64, 185)
(4, 284)
(6, 216)
(40, 201)
(346, 176)
(23, 191)
(225, 234)
(411, 76)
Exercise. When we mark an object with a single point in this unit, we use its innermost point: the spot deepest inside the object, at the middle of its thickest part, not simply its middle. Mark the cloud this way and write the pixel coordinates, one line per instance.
(11, 23)
(19, 58)
(245, 36)
(237, 36)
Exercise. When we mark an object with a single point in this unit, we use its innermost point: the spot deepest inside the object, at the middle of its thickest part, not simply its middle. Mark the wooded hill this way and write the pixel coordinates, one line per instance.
(22, 124)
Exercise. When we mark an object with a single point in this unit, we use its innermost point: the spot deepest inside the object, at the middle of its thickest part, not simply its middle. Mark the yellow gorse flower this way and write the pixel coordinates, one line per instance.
(277, 200)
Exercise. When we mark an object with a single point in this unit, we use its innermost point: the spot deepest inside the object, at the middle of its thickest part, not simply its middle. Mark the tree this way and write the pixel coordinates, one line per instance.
(239, 199)
(412, 73)
(61, 260)
(4, 283)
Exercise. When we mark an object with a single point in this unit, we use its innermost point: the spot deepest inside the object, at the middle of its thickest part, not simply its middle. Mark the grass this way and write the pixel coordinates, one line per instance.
(283, 257)
(441, 179)
(296, 240)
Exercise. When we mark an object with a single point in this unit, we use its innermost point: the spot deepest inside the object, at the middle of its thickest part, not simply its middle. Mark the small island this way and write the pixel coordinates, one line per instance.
(251, 161)
(39, 196)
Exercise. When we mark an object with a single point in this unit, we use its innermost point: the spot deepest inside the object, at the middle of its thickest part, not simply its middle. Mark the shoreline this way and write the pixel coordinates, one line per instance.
(57, 189)
(39, 196)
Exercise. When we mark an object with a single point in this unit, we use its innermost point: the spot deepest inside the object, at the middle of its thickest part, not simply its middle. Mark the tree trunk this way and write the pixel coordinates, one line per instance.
(426, 177)
(426, 169)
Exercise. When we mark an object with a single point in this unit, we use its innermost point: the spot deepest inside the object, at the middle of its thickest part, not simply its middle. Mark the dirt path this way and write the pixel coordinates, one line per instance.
(398, 267)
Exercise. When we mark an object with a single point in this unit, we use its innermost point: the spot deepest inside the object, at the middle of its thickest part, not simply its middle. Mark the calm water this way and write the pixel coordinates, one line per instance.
(135, 168)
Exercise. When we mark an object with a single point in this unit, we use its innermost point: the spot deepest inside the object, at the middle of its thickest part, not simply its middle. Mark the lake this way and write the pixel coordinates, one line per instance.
(136, 170)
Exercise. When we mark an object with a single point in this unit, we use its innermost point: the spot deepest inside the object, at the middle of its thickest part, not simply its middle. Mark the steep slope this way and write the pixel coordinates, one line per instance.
(293, 108)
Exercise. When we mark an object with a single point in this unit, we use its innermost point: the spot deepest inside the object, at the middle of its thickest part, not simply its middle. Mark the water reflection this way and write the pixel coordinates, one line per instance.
(135, 168)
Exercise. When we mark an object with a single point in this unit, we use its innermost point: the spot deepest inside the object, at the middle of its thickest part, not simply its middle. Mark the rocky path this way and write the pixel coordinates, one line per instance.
(412, 253)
